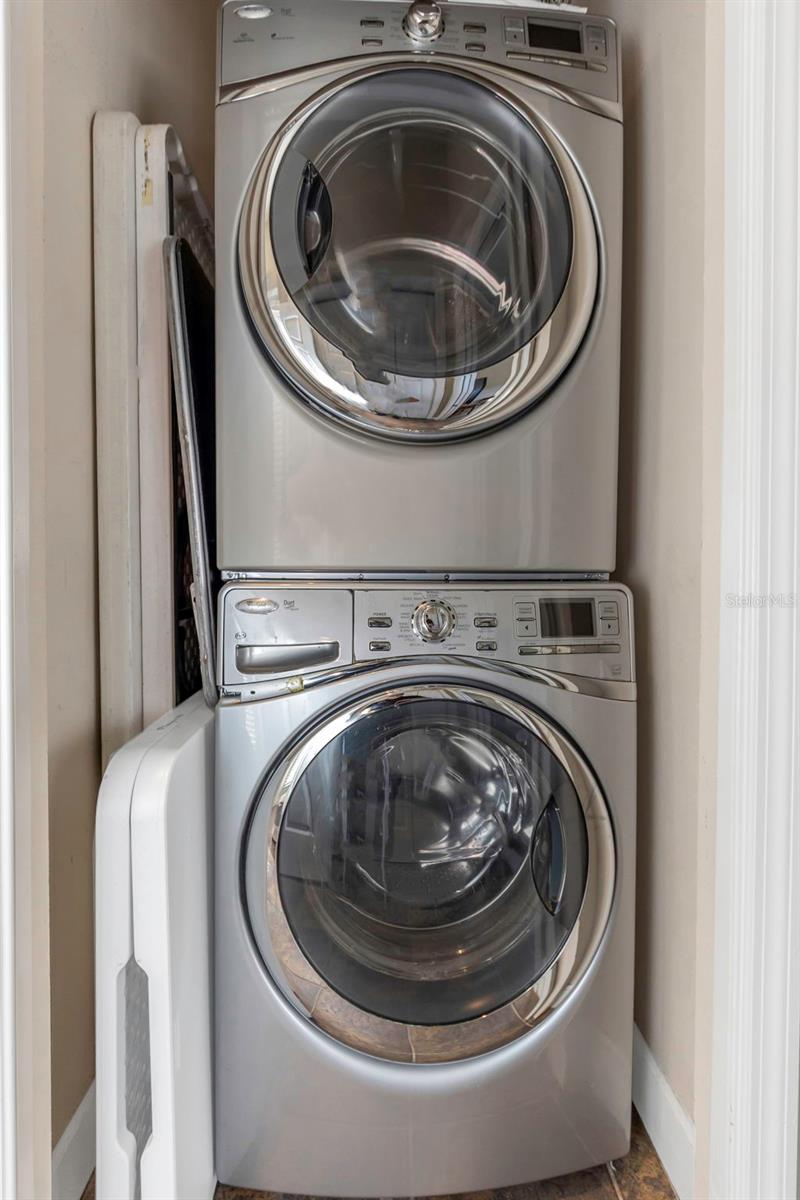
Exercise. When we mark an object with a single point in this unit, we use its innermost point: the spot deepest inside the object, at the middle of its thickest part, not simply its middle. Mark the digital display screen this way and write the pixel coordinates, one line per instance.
(555, 37)
(567, 618)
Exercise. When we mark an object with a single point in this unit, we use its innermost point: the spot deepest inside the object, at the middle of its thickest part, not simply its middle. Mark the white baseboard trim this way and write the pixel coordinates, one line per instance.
(74, 1156)
(670, 1129)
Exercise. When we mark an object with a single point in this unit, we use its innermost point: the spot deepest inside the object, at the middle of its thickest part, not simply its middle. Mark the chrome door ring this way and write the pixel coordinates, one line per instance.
(350, 1025)
(304, 356)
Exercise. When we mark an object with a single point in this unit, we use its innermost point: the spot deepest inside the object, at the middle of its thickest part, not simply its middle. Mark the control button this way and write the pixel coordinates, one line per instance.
(608, 610)
(609, 628)
(372, 23)
(475, 48)
(596, 40)
(371, 43)
(380, 622)
(514, 54)
(485, 646)
(596, 66)
(383, 647)
(526, 629)
(558, 62)
(524, 608)
(573, 648)
(486, 622)
(473, 28)
(423, 21)
(433, 620)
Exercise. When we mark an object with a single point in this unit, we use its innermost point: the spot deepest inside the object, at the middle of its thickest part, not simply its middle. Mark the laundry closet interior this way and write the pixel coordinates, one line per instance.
(411, 540)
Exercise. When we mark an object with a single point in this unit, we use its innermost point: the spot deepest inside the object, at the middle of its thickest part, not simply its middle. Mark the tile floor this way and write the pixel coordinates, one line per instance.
(639, 1176)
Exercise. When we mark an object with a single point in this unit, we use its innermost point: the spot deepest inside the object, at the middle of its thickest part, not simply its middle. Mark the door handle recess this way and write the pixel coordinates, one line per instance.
(271, 660)
(549, 858)
(314, 219)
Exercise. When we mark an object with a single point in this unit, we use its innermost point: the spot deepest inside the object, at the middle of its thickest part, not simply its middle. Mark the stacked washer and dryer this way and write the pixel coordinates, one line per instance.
(425, 743)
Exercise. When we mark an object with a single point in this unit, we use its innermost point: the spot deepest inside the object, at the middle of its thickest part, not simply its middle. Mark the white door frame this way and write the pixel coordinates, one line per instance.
(25, 1134)
(755, 1073)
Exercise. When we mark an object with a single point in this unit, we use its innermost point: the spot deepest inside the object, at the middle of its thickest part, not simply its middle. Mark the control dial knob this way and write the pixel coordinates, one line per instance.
(433, 620)
(423, 21)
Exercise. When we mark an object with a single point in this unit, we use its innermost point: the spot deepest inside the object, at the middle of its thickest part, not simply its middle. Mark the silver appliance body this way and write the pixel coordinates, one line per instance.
(425, 839)
(418, 289)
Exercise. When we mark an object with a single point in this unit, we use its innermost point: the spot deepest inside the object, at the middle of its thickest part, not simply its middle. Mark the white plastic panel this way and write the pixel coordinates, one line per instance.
(153, 951)
(143, 190)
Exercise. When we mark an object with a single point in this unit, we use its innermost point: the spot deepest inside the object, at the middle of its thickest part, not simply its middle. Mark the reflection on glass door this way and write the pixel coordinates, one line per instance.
(406, 244)
(432, 861)
(426, 243)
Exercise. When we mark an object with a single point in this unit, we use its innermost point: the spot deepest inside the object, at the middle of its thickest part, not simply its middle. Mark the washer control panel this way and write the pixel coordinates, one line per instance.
(572, 49)
(287, 632)
(584, 631)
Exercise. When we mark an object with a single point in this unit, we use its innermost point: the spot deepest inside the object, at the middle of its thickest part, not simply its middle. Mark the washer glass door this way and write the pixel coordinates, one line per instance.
(430, 862)
(406, 245)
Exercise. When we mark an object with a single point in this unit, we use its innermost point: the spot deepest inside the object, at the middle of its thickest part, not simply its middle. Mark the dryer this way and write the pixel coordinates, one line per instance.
(425, 833)
(418, 288)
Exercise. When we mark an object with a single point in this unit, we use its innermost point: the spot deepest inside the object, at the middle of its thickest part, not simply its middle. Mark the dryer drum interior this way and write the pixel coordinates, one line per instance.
(434, 865)
(418, 254)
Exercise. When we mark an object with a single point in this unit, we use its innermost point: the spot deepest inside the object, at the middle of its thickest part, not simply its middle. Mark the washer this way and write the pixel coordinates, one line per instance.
(425, 842)
(419, 240)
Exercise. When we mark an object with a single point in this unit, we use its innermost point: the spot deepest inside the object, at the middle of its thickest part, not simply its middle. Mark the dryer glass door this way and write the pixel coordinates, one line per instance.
(406, 244)
(432, 862)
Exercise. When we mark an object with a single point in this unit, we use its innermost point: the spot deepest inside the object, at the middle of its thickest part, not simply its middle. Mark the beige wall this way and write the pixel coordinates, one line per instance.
(668, 492)
(31, 885)
(156, 59)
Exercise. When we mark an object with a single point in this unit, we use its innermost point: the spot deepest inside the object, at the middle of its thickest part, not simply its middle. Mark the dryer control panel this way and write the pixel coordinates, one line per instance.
(575, 50)
(286, 631)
